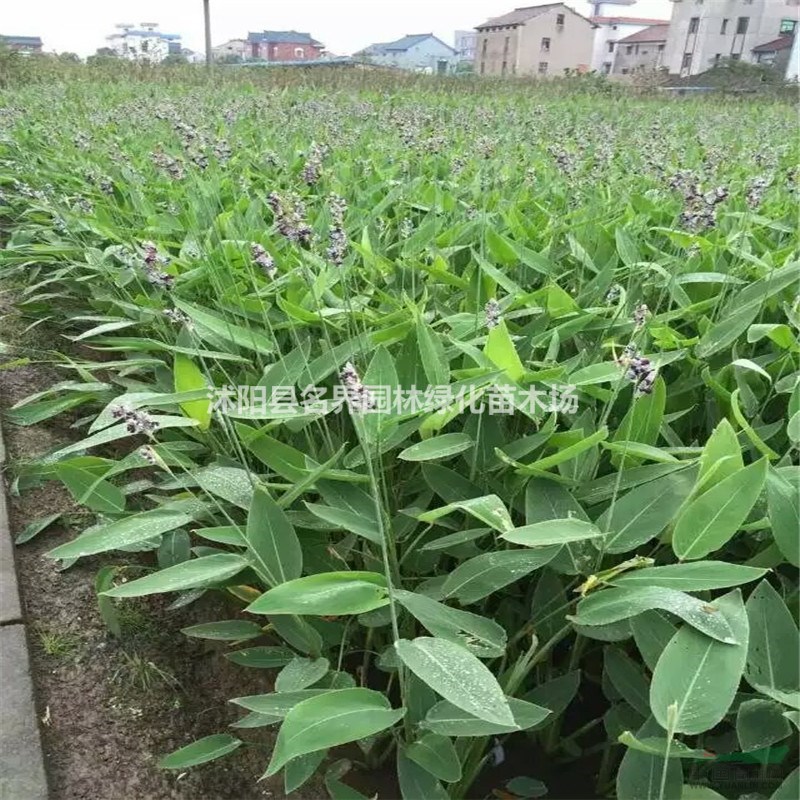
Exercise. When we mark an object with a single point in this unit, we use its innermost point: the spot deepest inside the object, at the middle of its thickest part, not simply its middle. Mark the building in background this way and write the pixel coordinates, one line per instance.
(22, 44)
(615, 19)
(232, 50)
(465, 45)
(642, 51)
(775, 53)
(705, 34)
(542, 40)
(418, 52)
(146, 43)
(793, 67)
(283, 46)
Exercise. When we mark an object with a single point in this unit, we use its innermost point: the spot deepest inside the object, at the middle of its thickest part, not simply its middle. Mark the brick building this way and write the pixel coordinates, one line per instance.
(283, 46)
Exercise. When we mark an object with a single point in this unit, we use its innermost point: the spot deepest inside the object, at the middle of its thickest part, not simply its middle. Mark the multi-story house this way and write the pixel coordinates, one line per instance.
(283, 46)
(793, 67)
(418, 52)
(146, 43)
(22, 44)
(542, 40)
(611, 27)
(465, 45)
(642, 51)
(703, 33)
(233, 49)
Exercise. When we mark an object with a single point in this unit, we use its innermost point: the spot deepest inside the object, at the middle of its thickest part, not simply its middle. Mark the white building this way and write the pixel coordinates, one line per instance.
(793, 68)
(703, 34)
(465, 45)
(613, 26)
(145, 43)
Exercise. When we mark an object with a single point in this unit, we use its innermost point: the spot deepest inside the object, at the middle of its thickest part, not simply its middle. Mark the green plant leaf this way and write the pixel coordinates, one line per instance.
(266, 657)
(613, 605)
(652, 633)
(124, 533)
(783, 501)
(450, 720)
(444, 446)
(760, 723)
(300, 673)
(197, 572)
(277, 704)
(230, 483)
(271, 541)
(640, 774)
(35, 527)
(658, 746)
(202, 751)
(88, 490)
(188, 377)
(552, 531)
(790, 788)
(709, 521)
(628, 679)
(415, 780)
(329, 720)
(434, 360)
(436, 754)
(458, 676)
(230, 630)
(700, 675)
(695, 577)
(299, 770)
(489, 509)
(500, 350)
(324, 594)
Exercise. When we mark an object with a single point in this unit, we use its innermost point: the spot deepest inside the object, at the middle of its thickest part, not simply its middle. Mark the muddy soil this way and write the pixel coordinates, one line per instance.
(108, 707)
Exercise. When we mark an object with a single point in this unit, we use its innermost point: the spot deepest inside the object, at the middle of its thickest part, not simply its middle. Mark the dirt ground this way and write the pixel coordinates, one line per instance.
(109, 708)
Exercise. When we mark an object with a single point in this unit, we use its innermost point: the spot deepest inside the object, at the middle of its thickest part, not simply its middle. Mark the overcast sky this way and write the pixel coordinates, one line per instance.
(344, 26)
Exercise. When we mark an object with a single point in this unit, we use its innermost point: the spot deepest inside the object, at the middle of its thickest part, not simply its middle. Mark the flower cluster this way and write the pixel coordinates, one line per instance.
(152, 260)
(172, 166)
(640, 314)
(493, 314)
(638, 370)
(755, 192)
(135, 421)
(312, 169)
(699, 209)
(613, 294)
(290, 218)
(176, 316)
(337, 247)
(358, 396)
(262, 259)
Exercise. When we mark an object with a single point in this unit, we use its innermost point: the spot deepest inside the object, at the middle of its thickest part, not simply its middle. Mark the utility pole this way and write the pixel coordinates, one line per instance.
(207, 20)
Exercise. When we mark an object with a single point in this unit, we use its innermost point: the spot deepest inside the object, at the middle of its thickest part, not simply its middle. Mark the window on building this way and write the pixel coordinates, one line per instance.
(607, 67)
(299, 52)
(542, 67)
(736, 56)
(694, 24)
(717, 59)
(625, 70)
(611, 47)
(724, 29)
(787, 26)
(506, 44)
(741, 25)
(560, 20)
(485, 44)
(504, 68)
(661, 48)
(629, 49)
(636, 49)
(545, 45)
(687, 61)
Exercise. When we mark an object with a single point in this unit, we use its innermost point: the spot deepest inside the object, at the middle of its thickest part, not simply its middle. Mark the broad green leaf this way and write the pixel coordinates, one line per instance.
(783, 501)
(261, 657)
(197, 572)
(642, 513)
(347, 520)
(415, 780)
(564, 455)
(772, 662)
(249, 338)
(660, 746)
(552, 531)
(642, 422)
(124, 533)
(481, 636)
(271, 541)
(760, 723)
(231, 630)
(500, 350)
(603, 372)
(790, 788)
(88, 490)
(725, 332)
(230, 483)
(35, 527)
(489, 509)
(482, 575)
(710, 520)
(700, 675)
(188, 377)
(700, 793)
(380, 373)
(695, 577)
(202, 751)
(299, 770)
(277, 704)
(721, 448)
(457, 675)
(329, 720)
(652, 632)
(641, 775)
(432, 353)
(436, 754)
(628, 678)
(324, 594)
(175, 547)
(611, 605)
(444, 446)
(450, 720)
(300, 673)
(554, 695)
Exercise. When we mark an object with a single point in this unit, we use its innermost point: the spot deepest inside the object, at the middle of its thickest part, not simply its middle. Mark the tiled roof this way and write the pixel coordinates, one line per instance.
(282, 37)
(655, 33)
(400, 45)
(781, 43)
(29, 41)
(518, 15)
(628, 21)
